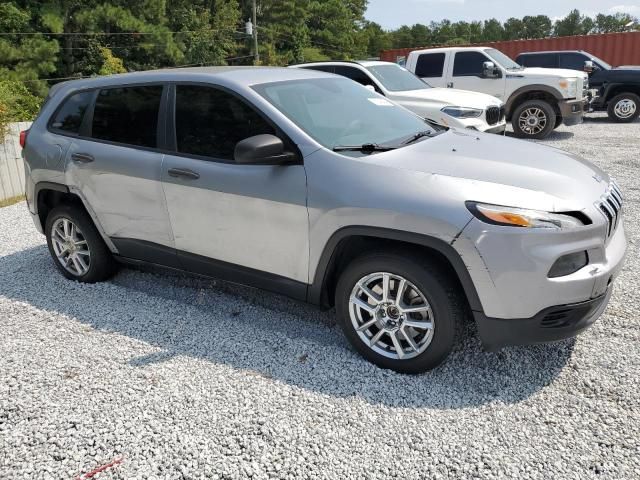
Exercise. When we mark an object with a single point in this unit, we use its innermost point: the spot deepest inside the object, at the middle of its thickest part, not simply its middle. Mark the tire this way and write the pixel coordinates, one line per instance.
(93, 261)
(427, 283)
(531, 111)
(558, 122)
(624, 108)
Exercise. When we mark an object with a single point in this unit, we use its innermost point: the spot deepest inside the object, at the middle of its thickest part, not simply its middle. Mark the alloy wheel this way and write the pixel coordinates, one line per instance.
(70, 247)
(391, 315)
(532, 121)
(625, 108)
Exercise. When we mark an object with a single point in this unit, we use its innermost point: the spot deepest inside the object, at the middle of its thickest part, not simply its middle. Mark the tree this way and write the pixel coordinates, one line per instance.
(513, 29)
(492, 31)
(573, 24)
(375, 39)
(612, 23)
(539, 26)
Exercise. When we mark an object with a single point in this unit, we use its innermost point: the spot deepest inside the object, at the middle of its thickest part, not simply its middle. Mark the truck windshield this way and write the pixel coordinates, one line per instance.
(396, 79)
(502, 60)
(338, 112)
(600, 62)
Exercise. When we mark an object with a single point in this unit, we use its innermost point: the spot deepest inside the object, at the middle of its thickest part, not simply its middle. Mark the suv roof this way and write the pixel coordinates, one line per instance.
(362, 63)
(243, 75)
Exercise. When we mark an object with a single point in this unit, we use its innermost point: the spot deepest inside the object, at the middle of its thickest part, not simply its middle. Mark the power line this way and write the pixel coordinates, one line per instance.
(210, 30)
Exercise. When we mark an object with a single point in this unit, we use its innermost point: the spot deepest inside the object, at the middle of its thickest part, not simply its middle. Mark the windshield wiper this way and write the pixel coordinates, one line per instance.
(365, 147)
(418, 136)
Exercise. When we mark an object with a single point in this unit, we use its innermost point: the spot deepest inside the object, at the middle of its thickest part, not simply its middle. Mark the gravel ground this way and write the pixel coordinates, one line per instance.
(189, 378)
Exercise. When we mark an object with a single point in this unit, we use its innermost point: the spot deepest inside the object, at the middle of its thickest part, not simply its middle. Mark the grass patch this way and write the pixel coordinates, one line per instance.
(11, 201)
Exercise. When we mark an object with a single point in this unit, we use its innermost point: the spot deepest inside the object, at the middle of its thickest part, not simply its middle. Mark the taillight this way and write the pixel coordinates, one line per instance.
(23, 138)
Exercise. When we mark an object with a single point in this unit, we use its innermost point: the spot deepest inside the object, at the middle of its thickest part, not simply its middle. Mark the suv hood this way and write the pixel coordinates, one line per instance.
(446, 97)
(500, 170)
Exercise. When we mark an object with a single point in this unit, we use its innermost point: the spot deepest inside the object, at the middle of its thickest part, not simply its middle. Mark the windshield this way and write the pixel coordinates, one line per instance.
(601, 62)
(396, 79)
(338, 111)
(501, 59)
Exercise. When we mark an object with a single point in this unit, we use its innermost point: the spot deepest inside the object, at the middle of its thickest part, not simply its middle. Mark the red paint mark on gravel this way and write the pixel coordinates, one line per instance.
(99, 469)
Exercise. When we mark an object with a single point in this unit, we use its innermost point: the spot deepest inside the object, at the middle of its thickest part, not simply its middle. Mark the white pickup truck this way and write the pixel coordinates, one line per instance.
(537, 99)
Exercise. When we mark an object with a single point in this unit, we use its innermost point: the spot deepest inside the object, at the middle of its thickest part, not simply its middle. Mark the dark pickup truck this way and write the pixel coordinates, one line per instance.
(618, 88)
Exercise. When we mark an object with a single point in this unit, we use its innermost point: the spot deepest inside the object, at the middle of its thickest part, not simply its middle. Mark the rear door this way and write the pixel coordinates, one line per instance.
(466, 73)
(115, 163)
(432, 67)
(241, 222)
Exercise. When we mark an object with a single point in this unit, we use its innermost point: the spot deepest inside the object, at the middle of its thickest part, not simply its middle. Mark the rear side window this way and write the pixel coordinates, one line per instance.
(544, 60)
(466, 64)
(127, 115)
(430, 65)
(68, 118)
(210, 122)
(573, 61)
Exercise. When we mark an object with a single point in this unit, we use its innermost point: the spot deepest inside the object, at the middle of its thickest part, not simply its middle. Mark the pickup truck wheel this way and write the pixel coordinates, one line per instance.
(399, 312)
(533, 119)
(76, 246)
(624, 108)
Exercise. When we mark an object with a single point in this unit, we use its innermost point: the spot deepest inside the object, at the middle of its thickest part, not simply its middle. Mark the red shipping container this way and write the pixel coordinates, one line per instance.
(614, 48)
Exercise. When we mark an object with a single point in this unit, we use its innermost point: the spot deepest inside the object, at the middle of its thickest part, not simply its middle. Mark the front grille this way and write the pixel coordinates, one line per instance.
(494, 115)
(610, 206)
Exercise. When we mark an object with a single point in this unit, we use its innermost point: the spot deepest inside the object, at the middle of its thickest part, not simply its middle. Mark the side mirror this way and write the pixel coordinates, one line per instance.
(263, 149)
(370, 87)
(489, 70)
(588, 66)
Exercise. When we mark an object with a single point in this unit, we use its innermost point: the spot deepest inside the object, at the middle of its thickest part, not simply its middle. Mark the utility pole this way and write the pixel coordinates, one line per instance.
(256, 54)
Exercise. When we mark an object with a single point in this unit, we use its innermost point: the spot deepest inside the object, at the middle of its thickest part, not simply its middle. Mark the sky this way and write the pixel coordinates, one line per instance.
(394, 13)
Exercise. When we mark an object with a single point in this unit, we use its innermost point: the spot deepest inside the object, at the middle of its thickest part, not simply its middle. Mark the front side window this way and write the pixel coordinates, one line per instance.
(354, 74)
(127, 115)
(430, 65)
(396, 79)
(468, 64)
(573, 61)
(336, 111)
(69, 117)
(210, 122)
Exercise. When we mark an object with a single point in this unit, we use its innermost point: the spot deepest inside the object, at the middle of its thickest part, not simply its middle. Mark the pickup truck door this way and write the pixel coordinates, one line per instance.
(465, 72)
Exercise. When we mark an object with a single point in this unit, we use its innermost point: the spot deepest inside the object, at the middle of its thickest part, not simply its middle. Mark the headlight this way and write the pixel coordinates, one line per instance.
(568, 87)
(462, 112)
(521, 217)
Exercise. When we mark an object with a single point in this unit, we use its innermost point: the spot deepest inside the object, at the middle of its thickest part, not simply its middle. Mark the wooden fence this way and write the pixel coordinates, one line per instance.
(11, 164)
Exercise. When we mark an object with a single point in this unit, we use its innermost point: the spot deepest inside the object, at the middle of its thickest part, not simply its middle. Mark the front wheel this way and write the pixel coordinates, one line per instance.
(399, 312)
(533, 119)
(624, 108)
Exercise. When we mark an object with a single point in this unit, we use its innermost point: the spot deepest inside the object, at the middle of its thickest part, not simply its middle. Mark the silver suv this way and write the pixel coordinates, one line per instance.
(310, 185)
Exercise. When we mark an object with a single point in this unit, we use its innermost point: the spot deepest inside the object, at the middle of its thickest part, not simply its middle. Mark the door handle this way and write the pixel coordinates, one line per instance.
(450, 85)
(82, 157)
(183, 172)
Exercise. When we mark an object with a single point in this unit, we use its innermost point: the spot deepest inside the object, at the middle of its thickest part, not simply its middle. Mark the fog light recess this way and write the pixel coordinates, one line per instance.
(568, 264)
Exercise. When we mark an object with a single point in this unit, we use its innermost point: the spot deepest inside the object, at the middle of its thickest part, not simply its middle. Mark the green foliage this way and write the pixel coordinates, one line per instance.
(17, 104)
(573, 24)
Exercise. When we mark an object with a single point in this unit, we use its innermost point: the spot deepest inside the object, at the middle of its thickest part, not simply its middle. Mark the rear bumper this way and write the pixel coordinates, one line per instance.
(551, 324)
(572, 111)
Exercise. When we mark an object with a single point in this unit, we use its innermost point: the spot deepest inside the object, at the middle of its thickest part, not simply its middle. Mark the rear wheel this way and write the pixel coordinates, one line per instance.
(76, 246)
(533, 119)
(399, 312)
(624, 108)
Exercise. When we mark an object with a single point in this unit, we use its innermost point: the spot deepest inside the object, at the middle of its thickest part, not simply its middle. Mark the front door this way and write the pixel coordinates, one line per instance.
(240, 222)
(466, 73)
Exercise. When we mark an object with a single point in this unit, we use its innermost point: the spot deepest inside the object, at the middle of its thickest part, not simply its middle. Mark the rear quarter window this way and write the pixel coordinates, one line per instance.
(68, 118)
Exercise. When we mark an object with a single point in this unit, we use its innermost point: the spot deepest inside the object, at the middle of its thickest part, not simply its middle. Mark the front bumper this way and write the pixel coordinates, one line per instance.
(509, 266)
(572, 111)
(549, 325)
